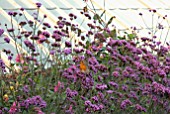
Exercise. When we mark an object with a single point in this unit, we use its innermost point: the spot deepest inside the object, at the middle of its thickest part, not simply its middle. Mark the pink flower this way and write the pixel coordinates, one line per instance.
(38, 110)
(19, 59)
(42, 38)
(71, 108)
(14, 108)
(169, 47)
(57, 86)
(100, 46)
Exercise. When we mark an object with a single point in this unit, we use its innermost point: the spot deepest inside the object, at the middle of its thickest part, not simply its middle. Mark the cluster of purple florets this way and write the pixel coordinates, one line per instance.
(36, 101)
(135, 73)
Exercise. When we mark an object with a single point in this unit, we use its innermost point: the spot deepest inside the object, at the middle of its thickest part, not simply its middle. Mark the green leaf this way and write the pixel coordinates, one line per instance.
(100, 21)
(131, 36)
(87, 44)
(25, 112)
(96, 17)
(106, 35)
(112, 107)
(51, 92)
(2, 83)
(102, 13)
(85, 9)
(79, 32)
(1, 105)
(110, 21)
(113, 33)
(63, 95)
(121, 38)
(125, 33)
(11, 101)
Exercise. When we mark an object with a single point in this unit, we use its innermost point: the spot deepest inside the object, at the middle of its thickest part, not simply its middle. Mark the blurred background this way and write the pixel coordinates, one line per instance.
(126, 13)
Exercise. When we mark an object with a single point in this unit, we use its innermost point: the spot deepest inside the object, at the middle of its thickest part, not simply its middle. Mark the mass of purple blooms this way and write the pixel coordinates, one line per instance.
(100, 72)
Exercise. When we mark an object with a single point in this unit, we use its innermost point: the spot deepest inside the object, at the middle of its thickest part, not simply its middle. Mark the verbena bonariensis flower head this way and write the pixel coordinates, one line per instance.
(7, 40)
(71, 93)
(36, 101)
(125, 103)
(1, 32)
(38, 5)
(2, 65)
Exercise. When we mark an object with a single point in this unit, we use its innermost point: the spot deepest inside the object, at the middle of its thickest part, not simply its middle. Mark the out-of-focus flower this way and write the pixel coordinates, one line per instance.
(95, 98)
(55, 44)
(41, 39)
(57, 37)
(33, 101)
(125, 103)
(109, 91)
(67, 44)
(5, 97)
(1, 32)
(101, 86)
(56, 88)
(47, 25)
(67, 51)
(77, 50)
(115, 85)
(10, 30)
(140, 108)
(52, 52)
(38, 5)
(87, 103)
(25, 89)
(100, 46)
(10, 57)
(71, 93)
(38, 110)
(14, 108)
(19, 59)
(11, 88)
(2, 65)
(10, 13)
(7, 40)
(70, 110)
(29, 44)
(115, 74)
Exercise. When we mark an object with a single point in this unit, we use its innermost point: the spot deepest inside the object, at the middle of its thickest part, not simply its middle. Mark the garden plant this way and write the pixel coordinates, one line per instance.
(93, 72)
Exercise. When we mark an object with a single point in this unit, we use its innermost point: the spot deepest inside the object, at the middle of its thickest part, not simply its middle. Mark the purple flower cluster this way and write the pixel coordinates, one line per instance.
(26, 89)
(160, 89)
(93, 107)
(71, 93)
(87, 82)
(125, 103)
(2, 65)
(57, 37)
(140, 108)
(36, 101)
(29, 45)
(101, 86)
(38, 5)
(67, 51)
(127, 68)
